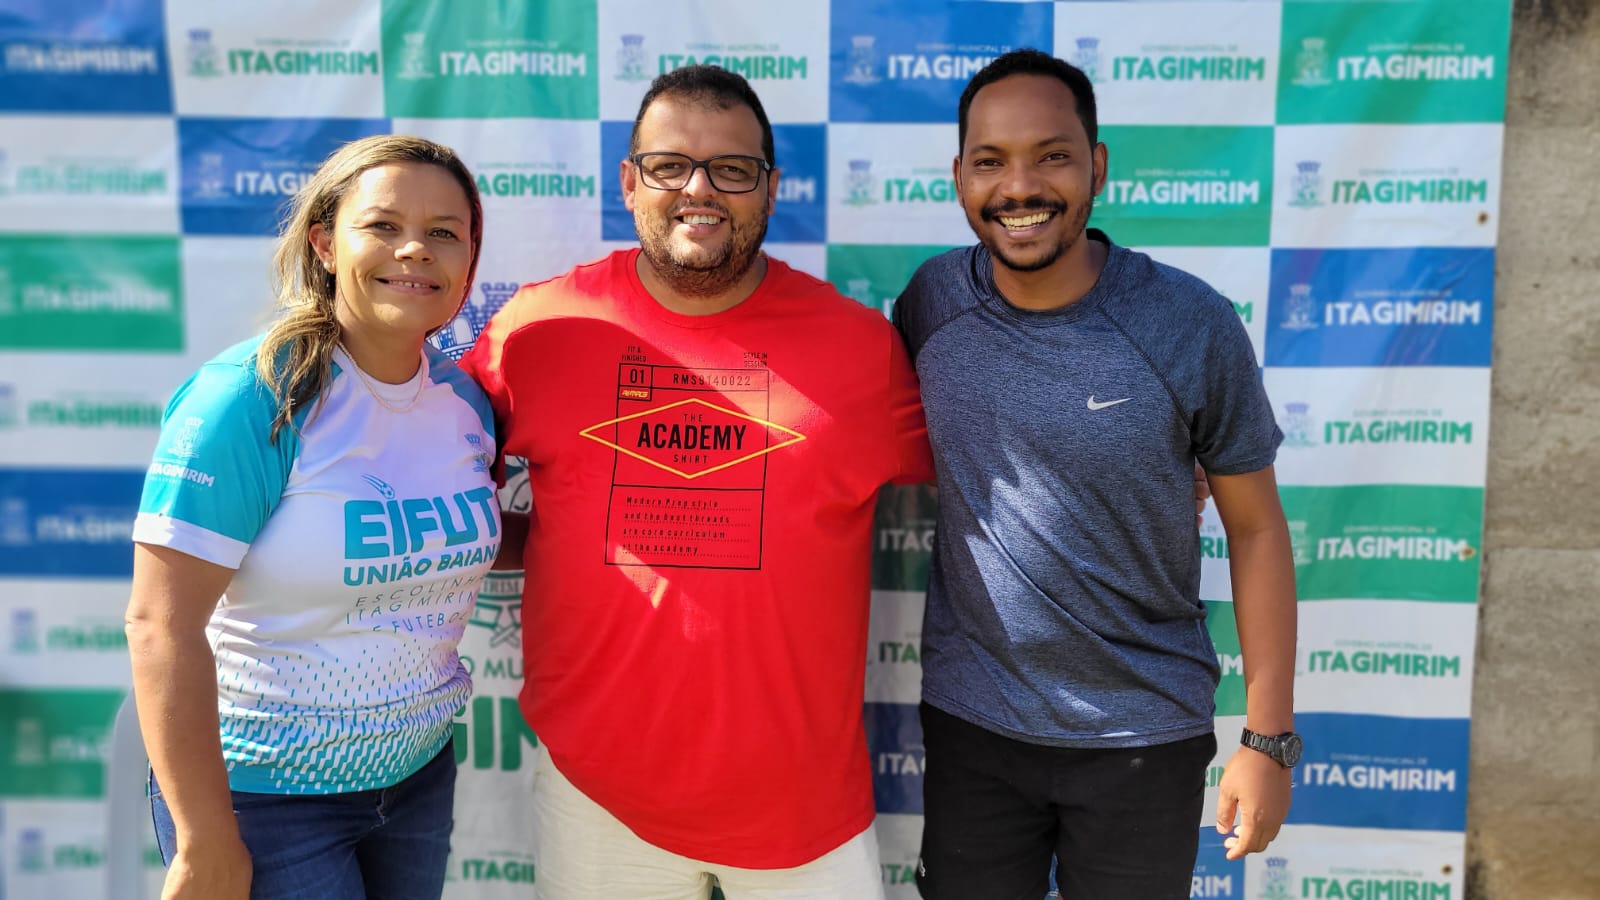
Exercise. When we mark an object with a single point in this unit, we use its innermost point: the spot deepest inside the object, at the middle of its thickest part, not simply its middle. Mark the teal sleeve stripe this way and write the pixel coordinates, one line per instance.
(214, 467)
(444, 371)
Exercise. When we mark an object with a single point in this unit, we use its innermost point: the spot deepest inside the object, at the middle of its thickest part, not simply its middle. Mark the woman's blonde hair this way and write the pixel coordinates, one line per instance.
(295, 358)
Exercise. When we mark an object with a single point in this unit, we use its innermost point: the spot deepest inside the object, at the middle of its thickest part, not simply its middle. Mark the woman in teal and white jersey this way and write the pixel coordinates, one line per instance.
(315, 523)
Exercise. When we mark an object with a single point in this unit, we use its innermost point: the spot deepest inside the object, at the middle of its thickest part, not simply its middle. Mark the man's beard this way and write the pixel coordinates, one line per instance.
(702, 276)
(992, 213)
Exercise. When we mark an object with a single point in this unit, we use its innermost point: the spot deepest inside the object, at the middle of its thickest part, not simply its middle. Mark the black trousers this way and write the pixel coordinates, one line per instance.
(1123, 823)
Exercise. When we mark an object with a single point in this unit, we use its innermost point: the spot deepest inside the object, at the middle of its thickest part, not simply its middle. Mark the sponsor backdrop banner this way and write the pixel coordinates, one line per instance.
(1332, 168)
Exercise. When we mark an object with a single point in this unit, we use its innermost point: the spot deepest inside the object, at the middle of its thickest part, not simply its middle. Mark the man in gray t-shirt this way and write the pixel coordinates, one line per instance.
(1070, 386)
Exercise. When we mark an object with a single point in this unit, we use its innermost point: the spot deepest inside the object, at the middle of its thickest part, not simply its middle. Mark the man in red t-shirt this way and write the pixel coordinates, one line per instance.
(706, 432)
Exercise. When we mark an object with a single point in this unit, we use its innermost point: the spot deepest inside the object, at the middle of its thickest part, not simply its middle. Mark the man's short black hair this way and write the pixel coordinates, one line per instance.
(1028, 61)
(713, 86)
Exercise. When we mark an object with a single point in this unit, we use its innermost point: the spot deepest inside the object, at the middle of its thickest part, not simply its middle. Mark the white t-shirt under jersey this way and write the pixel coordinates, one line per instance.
(359, 540)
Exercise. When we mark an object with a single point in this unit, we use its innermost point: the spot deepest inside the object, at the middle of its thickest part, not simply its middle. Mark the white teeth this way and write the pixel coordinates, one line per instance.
(701, 220)
(1024, 221)
(414, 284)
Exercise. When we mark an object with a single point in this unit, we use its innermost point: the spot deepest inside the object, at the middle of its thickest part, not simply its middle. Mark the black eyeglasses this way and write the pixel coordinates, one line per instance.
(733, 174)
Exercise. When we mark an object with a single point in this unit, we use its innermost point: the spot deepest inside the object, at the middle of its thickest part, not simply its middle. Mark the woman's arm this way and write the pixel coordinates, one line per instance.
(175, 687)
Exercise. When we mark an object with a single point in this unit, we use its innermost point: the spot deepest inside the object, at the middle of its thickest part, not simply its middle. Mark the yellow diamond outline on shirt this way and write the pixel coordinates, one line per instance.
(796, 438)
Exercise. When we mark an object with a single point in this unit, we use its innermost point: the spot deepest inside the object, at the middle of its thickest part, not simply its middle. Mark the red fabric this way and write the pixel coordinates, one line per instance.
(695, 611)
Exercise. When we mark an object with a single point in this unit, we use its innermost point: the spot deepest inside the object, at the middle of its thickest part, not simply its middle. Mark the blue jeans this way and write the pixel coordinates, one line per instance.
(391, 843)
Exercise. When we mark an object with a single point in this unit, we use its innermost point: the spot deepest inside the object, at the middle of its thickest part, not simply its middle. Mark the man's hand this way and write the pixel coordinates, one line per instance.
(1255, 790)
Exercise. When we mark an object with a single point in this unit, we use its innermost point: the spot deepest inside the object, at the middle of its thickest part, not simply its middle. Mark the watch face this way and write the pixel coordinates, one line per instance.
(1291, 747)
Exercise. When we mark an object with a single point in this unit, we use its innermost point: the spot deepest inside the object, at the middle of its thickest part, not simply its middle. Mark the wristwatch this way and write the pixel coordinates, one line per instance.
(1283, 748)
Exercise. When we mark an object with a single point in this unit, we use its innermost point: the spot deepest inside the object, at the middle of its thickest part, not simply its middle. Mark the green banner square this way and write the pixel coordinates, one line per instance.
(1402, 63)
(500, 59)
(1225, 638)
(78, 292)
(1185, 186)
(903, 530)
(55, 742)
(1386, 541)
(875, 274)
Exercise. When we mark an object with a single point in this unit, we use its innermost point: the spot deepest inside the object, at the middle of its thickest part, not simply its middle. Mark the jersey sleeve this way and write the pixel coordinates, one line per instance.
(215, 477)
(910, 314)
(906, 420)
(448, 373)
(1234, 431)
(487, 363)
(901, 314)
(482, 362)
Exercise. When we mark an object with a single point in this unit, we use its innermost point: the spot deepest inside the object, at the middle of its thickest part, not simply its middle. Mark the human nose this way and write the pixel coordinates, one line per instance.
(699, 183)
(414, 248)
(1020, 182)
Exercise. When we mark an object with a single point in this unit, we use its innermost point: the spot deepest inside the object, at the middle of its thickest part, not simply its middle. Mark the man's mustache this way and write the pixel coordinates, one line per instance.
(1014, 208)
(711, 205)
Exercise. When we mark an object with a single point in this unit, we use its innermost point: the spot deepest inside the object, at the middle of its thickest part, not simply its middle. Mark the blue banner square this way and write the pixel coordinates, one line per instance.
(894, 739)
(68, 523)
(1428, 306)
(1381, 772)
(237, 175)
(93, 56)
(908, 61)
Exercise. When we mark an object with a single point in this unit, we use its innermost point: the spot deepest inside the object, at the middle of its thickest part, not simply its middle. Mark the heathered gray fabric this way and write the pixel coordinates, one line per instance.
(1063, 605)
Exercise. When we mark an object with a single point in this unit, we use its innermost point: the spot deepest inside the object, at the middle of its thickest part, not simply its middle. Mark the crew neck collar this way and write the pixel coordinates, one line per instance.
(983, 276)
(743, 309)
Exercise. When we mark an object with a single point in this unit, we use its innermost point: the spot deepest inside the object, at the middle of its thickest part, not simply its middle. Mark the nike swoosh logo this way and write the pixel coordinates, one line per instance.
(1094, 405)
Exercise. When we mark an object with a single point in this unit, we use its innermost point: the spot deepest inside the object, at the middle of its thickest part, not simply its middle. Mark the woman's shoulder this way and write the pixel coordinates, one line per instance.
(229, 379)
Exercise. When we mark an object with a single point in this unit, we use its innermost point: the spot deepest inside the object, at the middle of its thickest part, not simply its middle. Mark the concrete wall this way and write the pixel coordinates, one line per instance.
(1533, 822)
